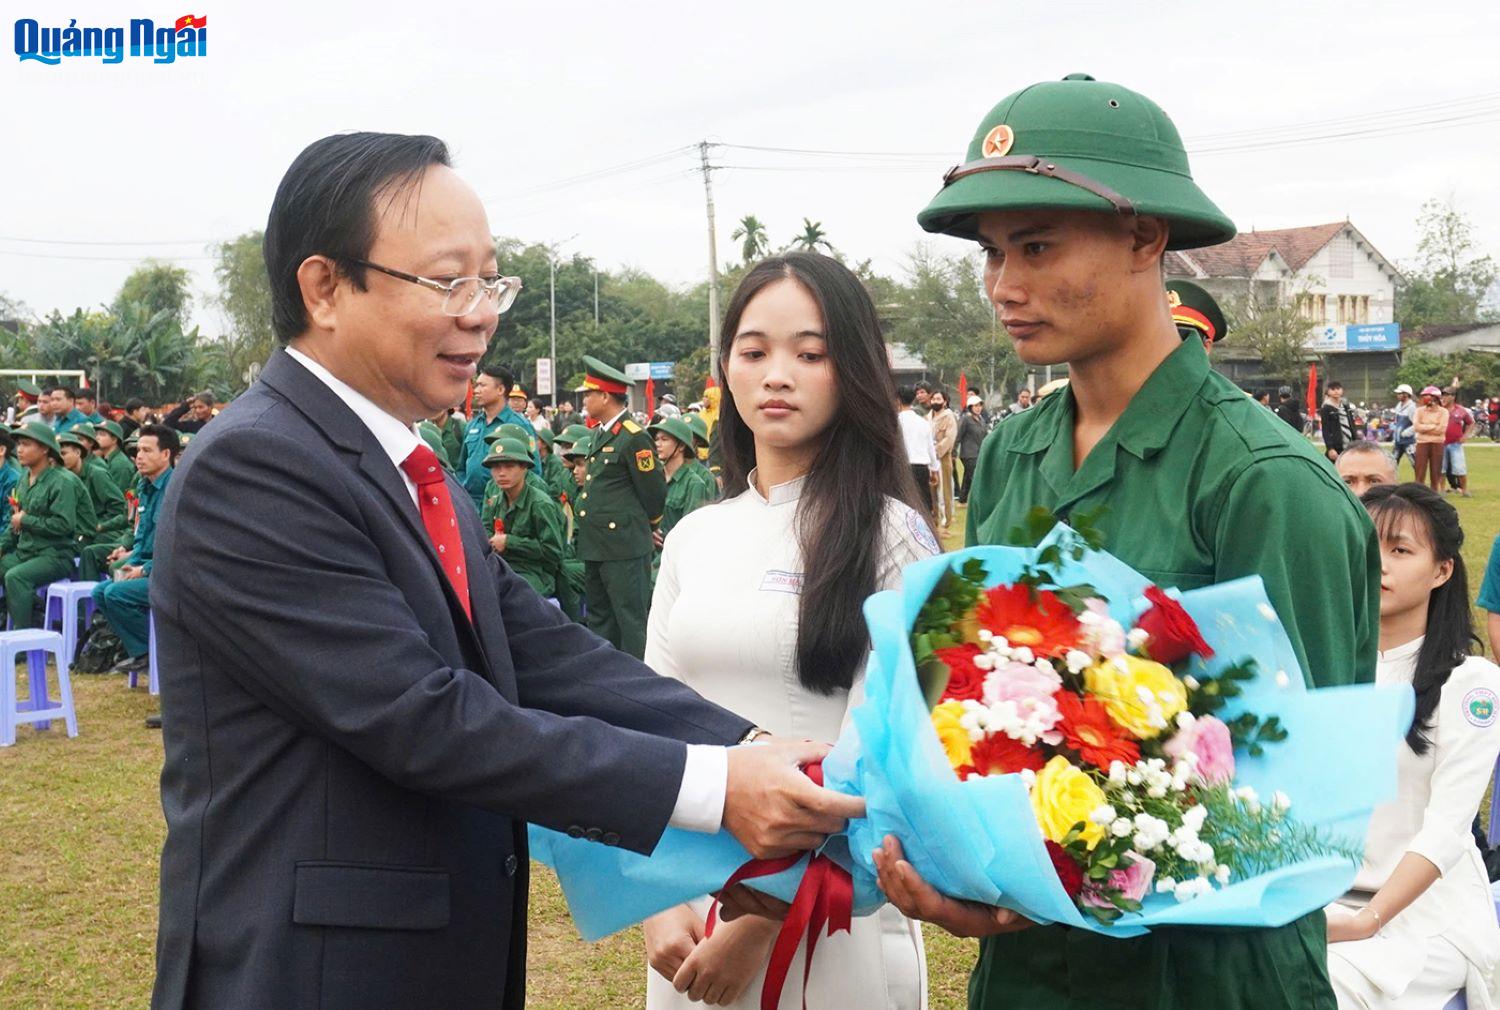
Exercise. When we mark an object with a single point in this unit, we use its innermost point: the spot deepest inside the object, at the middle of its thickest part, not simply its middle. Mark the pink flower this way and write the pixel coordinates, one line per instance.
(1030, 689)
(1133, 881)
(1207, 739)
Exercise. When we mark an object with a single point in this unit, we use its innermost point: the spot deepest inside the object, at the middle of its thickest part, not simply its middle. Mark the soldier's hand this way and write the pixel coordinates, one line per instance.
(917, 899)
(498, 542)
(773, 809)
(15, 519)
(658, 539)
(117, 554)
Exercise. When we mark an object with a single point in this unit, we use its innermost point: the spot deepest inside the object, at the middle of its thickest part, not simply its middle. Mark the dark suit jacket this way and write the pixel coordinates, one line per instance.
(349, 762)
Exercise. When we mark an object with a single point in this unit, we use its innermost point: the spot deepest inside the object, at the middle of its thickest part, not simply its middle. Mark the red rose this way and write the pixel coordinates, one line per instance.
(1069, 873)
(965, 680)
(1174, 635)
(998, 754)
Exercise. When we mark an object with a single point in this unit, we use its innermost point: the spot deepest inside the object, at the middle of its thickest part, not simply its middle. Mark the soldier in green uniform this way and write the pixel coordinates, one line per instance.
(37, 545)
(575, 459)
(1074, 191)
(699, 461)
(490, 412)
(10, 474)
(110, 437)
(618, 511)
(1196, 313)
(556, 476)
(524, 524)
(102, 518)
(451, 433)
(125, 599)
(430, 433)
(687, 487)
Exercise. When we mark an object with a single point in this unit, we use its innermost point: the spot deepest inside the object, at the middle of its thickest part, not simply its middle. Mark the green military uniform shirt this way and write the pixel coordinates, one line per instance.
(1201, 486)
(534, 533)
(559, 480)
(623, 495)
(433, 436)
(106, 502)
(686, 491)
(453, 438)
(50, 526)
(710, 482)
(121, 469)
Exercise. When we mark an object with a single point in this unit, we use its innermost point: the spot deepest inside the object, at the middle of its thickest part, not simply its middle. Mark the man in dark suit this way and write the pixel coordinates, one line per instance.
(362, 705)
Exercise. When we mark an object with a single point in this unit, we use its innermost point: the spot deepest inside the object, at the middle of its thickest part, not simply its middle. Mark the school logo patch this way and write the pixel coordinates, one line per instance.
(1479, 707)
(645, 461)
(921, 532)
(781, 582)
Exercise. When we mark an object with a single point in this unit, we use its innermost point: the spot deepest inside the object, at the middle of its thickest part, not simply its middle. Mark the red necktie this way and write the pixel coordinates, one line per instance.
(436, 506)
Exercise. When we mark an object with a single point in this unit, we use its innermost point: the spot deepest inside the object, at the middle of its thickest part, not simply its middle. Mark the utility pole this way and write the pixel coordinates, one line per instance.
(596, 298)
(552, 307)
(713, 267)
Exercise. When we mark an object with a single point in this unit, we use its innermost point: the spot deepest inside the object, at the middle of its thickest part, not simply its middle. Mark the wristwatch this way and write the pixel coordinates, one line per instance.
(755, 734)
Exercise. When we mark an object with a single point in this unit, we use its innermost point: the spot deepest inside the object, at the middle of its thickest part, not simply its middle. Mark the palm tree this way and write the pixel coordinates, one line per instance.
(812, 237)
(755, 242)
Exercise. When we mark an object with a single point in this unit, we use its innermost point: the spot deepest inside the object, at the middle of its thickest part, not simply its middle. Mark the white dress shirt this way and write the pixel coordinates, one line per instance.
(705, 776)
(916, 434)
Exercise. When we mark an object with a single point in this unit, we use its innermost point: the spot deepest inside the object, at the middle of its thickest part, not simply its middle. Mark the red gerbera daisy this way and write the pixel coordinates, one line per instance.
(998, 754)
(965, 680)
(1068, 870)
(1088, 729)
(1045, 625)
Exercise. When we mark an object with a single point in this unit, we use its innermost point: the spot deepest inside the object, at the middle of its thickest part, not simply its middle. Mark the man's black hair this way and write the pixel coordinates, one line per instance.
(907, 395)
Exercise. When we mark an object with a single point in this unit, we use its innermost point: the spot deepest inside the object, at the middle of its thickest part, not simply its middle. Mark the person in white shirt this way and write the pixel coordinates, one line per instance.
(758, 601)
(921, 449)
(1419, 925)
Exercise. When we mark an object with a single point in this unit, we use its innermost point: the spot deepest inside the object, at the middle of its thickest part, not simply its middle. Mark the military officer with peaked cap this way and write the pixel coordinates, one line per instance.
(617, 511)
(1196, 313)
(1074, 190)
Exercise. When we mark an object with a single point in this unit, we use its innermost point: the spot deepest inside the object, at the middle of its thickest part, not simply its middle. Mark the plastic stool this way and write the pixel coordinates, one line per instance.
(63, 599)
(38, 710)
(153, 682)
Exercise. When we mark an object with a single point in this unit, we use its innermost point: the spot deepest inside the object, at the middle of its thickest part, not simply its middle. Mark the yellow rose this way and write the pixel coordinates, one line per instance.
(1062, 797)
(954, 737)
(1119, 683)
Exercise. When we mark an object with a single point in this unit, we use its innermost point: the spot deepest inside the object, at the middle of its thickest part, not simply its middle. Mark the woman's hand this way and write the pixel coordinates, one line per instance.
(917, 899)
(722, 966)
(1361, 926)
(670, 938)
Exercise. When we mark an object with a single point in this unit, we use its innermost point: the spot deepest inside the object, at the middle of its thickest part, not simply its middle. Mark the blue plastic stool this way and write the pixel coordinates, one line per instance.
(63, 600)
(153, 682)
(38, 709)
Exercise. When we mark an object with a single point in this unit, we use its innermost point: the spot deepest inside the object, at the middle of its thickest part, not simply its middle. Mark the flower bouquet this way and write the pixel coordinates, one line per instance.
(995, 769)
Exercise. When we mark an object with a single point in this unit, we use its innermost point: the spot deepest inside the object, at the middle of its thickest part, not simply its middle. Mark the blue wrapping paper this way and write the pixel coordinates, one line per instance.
(979, 839)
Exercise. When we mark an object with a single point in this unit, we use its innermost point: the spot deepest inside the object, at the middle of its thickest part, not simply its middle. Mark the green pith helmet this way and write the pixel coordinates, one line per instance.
(1077, 144)
(545, 436)
(114, 429)
(84, 429)
(700, 429)
(43, 434)
(571, 434)
(1195, 311)
(73, 438)
(508, 450)
(580, 448)
(677, 428)
(509, 430)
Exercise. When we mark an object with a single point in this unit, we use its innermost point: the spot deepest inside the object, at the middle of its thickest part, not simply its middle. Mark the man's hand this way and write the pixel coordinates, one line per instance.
(658, 539)
(917, 899)
(670, 938)
(118, 554)
(932, 478)
(498, 543)
(721, 967)
(741, 900)
(128, 572)
(15, 519)
(773, 809)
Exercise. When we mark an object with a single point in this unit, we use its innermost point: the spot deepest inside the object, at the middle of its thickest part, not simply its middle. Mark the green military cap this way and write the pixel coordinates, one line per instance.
(545, 436)
(42, 434)
(677, 428)
(1195, 311)
(510, 430)
(580, 448)
(73, 437)
(571, 434)
(597, 375)
(84, 429)
(1077, 144)
(114, 429)
(28, 390)
(508, 450)
(700, 428)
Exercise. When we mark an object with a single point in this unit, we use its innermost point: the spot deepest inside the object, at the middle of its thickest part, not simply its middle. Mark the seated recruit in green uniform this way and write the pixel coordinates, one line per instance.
(37, 545)
(524, 524)
(490, 412)
(125, 599)
(574, 452)
(104, 519)
(618, 510)
(556, 476)
(1074, 190)
(688, 482)
(110, 438)
(10, 474)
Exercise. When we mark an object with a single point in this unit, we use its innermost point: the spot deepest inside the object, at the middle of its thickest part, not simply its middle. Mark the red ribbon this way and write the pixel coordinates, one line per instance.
(825, 898)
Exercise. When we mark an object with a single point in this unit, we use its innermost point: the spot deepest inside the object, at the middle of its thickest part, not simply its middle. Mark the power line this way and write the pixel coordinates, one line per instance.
(1342, 120)
(115, 259)
(60, 241)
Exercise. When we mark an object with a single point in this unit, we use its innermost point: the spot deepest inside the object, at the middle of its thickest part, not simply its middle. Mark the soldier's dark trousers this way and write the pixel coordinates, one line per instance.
(23, 578)
(619, 594)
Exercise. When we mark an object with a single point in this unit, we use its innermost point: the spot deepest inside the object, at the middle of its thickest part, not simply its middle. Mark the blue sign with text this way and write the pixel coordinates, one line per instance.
(1373, 337)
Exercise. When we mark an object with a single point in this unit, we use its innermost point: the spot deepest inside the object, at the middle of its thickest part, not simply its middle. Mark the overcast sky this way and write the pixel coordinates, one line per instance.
(99, 160)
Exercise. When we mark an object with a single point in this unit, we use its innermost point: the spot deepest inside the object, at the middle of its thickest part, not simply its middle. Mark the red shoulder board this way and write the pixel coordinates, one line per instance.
(615, 430)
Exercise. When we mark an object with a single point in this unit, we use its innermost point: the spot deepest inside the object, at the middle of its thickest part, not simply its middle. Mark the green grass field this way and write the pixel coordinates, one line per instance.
(82, 829)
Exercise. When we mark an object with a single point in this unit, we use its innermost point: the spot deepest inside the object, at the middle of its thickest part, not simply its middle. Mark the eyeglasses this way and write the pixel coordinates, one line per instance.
(462, 295)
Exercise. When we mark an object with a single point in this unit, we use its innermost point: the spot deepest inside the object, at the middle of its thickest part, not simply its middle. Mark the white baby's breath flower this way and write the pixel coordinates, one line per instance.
(1191, 683)
(1103, 814)
(984, 662)
(1117, 773)
(1247, 794)
(985, 634)
(1121, 828)
(1166, 885)
(1185, 719)
(1078, 661)
(1280, 802)
(1023, 655)
(1029, 777)
(1136, 639)
(1156, 792)
(1222, 875)
(1133, 777)
(1194, 817)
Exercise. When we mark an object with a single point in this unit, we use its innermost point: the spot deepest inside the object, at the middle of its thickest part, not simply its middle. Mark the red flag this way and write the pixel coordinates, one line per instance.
(650, 395)
(963, 390)
(709, 383)
(1312, 388)
(469, 400)
(83, 383)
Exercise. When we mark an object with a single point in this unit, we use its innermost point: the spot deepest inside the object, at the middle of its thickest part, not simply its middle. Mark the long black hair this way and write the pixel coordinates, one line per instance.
(861, 464)
(1450, 624)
